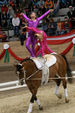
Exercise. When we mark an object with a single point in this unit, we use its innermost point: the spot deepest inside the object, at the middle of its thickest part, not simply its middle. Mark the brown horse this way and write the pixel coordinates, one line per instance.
(28, 70)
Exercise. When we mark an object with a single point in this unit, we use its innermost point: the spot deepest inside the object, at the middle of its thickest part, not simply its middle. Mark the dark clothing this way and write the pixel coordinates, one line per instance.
(4, 20)
(22, 39)
(71, 15)
(51, 29)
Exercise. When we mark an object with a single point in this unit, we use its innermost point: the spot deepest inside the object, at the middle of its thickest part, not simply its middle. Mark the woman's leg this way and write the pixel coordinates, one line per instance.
(33, 46)
(38, 53)
(28, 42)
(41, 50)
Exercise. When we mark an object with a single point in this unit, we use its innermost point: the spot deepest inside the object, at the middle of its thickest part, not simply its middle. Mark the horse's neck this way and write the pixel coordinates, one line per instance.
(29, 67)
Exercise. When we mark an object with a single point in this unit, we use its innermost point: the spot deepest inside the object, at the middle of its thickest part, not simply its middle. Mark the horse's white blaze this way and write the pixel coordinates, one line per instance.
(65, 92)
(38, 102)
(30, 108)
(57, 90)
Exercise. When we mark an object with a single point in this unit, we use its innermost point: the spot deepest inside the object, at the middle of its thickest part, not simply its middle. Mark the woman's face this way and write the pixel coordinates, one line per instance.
(33, 15)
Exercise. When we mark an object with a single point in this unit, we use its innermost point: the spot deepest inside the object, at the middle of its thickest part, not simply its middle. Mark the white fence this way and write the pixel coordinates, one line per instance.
(11, 85)
(15, 85)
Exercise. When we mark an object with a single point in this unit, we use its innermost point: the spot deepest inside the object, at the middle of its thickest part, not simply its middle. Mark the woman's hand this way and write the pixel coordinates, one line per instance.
(51, 10)
(21, 14)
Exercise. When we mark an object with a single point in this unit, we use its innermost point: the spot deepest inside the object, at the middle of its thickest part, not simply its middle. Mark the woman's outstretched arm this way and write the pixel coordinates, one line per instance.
(45, 14)
(25, 16)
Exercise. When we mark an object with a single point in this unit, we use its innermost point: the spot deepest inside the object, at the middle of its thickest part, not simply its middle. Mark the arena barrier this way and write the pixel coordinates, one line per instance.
(11, 85)
(15, 84)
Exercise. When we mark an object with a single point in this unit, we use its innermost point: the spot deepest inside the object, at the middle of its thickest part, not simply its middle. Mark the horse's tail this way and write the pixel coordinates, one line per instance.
(69, 72)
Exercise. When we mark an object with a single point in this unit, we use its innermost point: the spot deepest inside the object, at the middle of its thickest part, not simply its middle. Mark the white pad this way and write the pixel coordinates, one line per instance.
(47, 60)
(44, 64)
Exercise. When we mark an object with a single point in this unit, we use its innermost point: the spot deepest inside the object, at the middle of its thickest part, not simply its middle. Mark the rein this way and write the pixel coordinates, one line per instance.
(32, 75)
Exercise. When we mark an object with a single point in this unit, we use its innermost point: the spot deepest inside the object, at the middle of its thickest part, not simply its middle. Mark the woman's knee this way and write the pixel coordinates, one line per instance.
(27, 45)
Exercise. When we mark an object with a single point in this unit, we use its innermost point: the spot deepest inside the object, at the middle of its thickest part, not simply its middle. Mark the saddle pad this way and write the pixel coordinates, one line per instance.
(47, 60)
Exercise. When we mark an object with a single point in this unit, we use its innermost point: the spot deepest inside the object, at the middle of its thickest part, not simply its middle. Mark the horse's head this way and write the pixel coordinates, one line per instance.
(20, 72)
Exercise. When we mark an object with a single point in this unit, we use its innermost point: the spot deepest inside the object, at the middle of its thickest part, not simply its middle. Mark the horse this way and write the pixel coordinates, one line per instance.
(27, 70)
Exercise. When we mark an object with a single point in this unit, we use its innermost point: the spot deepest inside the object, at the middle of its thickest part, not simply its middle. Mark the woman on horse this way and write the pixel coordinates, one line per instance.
(41, 35)
(33, 22)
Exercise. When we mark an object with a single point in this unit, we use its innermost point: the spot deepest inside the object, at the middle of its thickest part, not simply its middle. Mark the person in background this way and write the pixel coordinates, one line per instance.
(4, 19)
(16, 23)
(40, 3)
(71, 15)
(35, 9)
(22, 36)
(48, 4)
(4, 8)
(66, 25)
(59, 27)
(45, 25)
(10, 14)
(51, 27)
(34, 2)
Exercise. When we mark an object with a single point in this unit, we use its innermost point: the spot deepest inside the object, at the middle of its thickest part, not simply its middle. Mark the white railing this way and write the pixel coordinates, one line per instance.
(11, 85)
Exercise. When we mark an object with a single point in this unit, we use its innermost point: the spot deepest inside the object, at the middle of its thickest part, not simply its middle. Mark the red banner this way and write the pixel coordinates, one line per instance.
(2, 54)
(14, 55)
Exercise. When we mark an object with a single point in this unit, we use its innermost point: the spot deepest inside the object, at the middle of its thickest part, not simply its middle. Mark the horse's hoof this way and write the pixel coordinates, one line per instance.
(40, 108)
(66, 100)
(59, 96)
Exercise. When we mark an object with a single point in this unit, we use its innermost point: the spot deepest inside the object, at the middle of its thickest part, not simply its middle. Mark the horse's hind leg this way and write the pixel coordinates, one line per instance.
(65, 90)
(58, 82)
(38, 103)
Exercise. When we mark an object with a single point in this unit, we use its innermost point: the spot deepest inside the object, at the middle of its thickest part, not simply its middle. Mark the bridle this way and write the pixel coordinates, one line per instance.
(24, 72)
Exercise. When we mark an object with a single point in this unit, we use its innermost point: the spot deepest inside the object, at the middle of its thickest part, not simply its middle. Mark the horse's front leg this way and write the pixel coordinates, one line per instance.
(38, 103)
(31, 104)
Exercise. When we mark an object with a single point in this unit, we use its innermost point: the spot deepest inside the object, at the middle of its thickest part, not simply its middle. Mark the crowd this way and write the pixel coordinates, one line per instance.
(10, 16)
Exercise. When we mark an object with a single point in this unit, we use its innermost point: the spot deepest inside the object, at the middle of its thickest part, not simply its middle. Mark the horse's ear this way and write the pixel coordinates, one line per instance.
(15, 65)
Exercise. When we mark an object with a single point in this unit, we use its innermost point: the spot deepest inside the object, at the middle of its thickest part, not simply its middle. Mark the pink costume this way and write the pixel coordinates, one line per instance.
(31, 38)
(44, 47)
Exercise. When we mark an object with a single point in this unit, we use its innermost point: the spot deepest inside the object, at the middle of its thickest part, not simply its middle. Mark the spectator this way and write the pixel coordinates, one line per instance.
(16, 23)
(71, 15)
(45, 25)
(10, 14)
(35, 9)
(4, 19)
(51, 27)
(34, 2)
(42, 9)
(40, 3)
(0, 18)
(66, 25)
(17, 2)
(22, 36)
(48, 4)
(17, 13)
(59, 27)
(4, 8)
